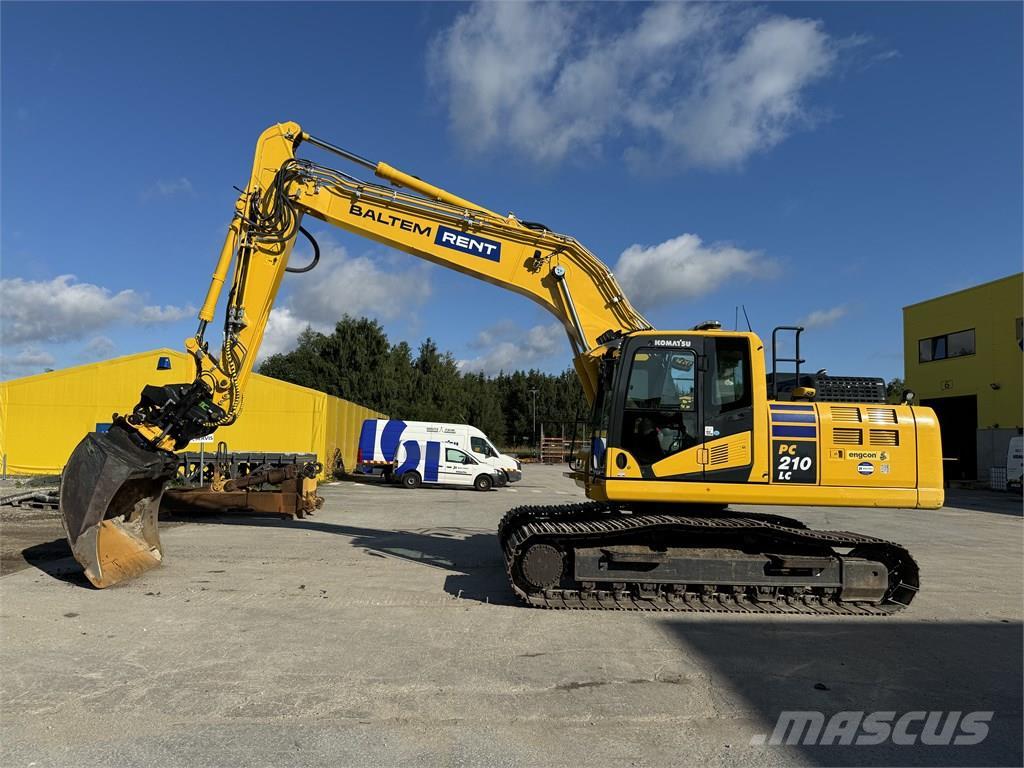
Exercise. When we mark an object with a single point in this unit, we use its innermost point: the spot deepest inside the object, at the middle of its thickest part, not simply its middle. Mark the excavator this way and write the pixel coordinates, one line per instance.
(683, 423)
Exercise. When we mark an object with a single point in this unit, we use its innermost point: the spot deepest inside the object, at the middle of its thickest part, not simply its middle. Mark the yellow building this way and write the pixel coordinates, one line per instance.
(43, 417)
(962, 357)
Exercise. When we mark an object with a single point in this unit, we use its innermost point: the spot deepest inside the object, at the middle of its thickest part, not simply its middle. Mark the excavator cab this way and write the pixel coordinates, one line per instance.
(663, 397)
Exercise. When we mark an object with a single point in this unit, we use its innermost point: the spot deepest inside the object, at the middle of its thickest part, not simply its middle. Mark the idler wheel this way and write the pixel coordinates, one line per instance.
(542, 566)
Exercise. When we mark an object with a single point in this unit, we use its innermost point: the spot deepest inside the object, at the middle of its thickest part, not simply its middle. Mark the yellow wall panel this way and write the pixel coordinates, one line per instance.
(43, 417)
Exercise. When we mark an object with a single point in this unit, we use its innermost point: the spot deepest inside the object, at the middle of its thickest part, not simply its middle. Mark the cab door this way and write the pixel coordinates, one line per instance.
(660, 425)
(728, 409)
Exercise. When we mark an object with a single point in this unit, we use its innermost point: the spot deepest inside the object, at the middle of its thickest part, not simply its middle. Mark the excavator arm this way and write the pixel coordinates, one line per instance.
(113, 482)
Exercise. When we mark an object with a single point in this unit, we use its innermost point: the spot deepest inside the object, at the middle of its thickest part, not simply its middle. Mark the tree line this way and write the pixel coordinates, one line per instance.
(358, 362)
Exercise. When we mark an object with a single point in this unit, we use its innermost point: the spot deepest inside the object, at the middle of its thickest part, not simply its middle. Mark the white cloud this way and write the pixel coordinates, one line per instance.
(63, 309)
(164, 188)
(382, 288)
(506, 347)
(683, 268)
(820, 318)
(358, 285)
(751, 100)
(283, 328)
(98, 348)
(27, 361)
(164, 314)
(698, 83)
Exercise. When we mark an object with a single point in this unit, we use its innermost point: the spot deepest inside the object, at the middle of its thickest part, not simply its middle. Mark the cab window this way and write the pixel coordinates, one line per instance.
(731, 386)
(455, 456)
(660, 417)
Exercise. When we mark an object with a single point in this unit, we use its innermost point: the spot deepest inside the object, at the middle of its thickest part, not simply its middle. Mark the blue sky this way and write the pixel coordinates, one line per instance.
(817, 163)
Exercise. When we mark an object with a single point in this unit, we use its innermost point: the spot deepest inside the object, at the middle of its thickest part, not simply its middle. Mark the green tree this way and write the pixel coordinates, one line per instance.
(357, 362)
(894, 389)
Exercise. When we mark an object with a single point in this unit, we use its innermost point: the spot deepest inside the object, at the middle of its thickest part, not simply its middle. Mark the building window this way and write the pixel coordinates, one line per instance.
(948, 345)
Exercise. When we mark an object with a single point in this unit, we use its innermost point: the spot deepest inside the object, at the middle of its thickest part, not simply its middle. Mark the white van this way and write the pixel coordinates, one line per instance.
(381, 439)
(434, 463)
(1015, 464)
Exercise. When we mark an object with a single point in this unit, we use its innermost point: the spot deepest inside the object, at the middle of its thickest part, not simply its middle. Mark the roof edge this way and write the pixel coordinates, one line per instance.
(965, 290)
(82, 366)
(163, 351)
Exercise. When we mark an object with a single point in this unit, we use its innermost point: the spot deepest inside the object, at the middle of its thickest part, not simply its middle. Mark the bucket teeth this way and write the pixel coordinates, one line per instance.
(109, 502)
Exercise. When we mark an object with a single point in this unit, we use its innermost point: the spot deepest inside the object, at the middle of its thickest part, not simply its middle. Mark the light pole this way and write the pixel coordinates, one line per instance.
(534, 393)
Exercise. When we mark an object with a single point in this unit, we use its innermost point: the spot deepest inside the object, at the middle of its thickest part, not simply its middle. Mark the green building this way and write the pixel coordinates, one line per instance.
(962, 357)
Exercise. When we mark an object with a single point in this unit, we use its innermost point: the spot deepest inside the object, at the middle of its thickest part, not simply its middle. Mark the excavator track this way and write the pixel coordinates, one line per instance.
(596, 556)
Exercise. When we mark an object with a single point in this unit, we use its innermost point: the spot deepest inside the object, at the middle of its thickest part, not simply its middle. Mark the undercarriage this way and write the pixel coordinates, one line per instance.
(684, 558)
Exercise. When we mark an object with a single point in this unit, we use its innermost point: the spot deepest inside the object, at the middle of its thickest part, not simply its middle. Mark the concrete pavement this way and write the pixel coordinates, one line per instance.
(382, 632)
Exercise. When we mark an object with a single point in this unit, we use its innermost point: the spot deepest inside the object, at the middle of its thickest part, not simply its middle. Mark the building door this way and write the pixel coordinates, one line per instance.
(958, 423)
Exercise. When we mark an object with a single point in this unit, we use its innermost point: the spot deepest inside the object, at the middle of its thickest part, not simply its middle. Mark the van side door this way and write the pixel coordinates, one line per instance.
(458, 467)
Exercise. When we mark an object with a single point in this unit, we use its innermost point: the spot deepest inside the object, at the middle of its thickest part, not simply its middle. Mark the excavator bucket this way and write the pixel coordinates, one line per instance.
(109, 500)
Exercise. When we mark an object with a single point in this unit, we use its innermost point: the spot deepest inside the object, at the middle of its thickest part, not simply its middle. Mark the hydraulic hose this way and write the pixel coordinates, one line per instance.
(316, 255)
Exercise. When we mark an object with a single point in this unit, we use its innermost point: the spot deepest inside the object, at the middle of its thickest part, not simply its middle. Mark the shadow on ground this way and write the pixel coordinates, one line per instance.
(871, 665)
(54, 558)
(473, 555)
(985, 501)
(366, 480)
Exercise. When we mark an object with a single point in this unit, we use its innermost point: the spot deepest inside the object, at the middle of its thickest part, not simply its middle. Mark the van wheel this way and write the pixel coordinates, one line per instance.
(483, 482)
(411, 480)
(502, 478)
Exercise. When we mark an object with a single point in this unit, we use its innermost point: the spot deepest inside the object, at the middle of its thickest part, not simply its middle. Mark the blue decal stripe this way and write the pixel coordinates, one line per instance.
(803, 418)
(389, 439)
(412, 458)
(784, 431)
(432, 463)
(367, 439)
(790, 407)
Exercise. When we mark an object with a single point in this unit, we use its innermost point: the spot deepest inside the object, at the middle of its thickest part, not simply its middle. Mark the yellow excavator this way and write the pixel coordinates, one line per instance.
(683, 423)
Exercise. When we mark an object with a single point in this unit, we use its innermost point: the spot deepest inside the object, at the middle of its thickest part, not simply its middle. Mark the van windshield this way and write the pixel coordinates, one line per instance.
(481, 446)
